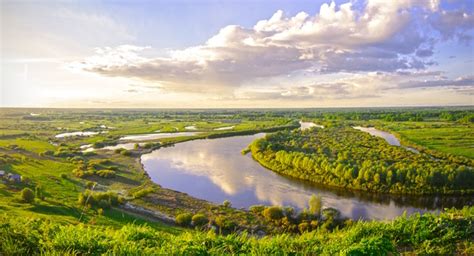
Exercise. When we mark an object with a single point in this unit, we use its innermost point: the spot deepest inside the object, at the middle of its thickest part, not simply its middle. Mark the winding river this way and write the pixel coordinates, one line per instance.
(215, 170)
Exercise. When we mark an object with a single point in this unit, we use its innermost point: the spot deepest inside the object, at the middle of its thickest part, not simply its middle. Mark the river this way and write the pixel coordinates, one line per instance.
(215, 170)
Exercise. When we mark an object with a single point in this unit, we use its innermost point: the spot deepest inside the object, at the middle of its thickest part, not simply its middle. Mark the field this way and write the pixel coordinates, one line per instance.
(92, 202)
(441, 136)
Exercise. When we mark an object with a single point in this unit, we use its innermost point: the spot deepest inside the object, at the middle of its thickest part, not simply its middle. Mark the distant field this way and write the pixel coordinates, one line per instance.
(445, 137)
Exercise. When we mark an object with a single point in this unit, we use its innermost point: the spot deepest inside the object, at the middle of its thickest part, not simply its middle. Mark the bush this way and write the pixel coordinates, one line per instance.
(90, 184)
(273, 213)
(39, 192)
(303, 227)
(225, 223)
(105, 173)
(101, 199)
(315, 205)
(257, 208)
(331, 213)
(199, 219)
(226, 204)
(27, 195)
(126, 153)
(184, 219)
(143, 192)
(63, 176)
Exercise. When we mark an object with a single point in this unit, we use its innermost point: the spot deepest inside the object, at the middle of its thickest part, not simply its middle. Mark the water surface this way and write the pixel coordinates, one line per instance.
(71, 134)
(388, 137)
(307, 125)
(224, 128)
(153, 136)
(215, 170)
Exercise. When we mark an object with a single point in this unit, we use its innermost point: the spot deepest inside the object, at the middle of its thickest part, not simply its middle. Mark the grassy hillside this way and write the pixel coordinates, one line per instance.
(449, 233)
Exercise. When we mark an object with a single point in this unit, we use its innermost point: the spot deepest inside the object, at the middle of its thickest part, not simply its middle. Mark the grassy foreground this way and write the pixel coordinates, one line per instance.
(449, 233)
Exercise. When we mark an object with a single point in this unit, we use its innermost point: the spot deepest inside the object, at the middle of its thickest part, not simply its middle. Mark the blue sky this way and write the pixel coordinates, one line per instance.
(237, 53)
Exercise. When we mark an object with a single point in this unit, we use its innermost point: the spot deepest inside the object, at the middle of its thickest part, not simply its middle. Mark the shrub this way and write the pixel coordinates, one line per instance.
(315, 205)
(184, 219)
(63, 176)
(257, 208)
(273, 213)
(126, 153)
(226, 204)
(303, 227)
(331, 213)
(143, 192)
(225, 223)
(199, 219)
(39, 192)
(27, 195)
(101, 199)
(105, 173)
(90, 184)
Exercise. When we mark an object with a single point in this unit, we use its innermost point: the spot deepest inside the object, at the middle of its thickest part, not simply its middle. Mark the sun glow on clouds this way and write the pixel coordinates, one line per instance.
(341, 55)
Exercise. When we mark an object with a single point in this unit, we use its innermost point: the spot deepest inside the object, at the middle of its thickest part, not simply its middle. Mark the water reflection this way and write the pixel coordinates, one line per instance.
(215, 170)
(307, 125)
(388, 137)
(224, 128)
(71, 134)
(153, 136)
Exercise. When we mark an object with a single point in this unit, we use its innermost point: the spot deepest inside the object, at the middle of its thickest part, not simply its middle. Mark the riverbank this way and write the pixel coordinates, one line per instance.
(284, 153)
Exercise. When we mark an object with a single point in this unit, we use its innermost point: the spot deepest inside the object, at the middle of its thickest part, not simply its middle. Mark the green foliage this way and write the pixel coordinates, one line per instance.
(226, 204)
(143, 192)
(39, 192)
(226, 224)
(257, 208)
(447, 234)
(27, 195)
(351, 159)
(273, 213)
(315, 205)
(99, 199)
(184, 219)
(199, 219)
(126, 152)
(105, 173)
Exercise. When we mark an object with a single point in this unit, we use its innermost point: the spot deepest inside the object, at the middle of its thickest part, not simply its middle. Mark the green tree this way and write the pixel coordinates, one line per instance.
(27, 195)
(39, 192)
(315, 205)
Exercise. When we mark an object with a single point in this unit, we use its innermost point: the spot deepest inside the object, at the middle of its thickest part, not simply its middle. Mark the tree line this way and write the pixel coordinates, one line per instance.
(348, 158)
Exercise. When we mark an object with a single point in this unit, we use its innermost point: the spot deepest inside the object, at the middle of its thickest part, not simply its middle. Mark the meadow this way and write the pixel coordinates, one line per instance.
(103, 202)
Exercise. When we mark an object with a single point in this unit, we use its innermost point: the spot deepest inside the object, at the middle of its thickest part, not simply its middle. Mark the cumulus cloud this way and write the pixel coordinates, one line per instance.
(382, 36)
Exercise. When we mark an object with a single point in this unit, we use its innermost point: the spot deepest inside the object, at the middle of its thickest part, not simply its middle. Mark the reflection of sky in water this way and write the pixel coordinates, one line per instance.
(215, 170)
(307, 125)
(390, 138)
(71, 134)
(152, 136)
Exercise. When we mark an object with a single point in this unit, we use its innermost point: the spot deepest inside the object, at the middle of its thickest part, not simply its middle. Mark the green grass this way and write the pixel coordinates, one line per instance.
(34, 145)
(456, 139)
(428, 234)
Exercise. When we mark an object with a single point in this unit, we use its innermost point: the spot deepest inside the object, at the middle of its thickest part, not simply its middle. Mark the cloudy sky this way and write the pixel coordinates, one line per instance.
(300, 53)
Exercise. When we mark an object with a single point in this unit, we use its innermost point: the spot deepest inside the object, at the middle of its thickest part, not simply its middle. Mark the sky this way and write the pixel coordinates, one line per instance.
(236, 54)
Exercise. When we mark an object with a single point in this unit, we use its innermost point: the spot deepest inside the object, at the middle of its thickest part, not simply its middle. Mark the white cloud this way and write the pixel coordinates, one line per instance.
(383, 36)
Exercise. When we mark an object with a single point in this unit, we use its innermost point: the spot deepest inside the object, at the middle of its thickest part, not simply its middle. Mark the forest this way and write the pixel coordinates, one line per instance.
(347, 158)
